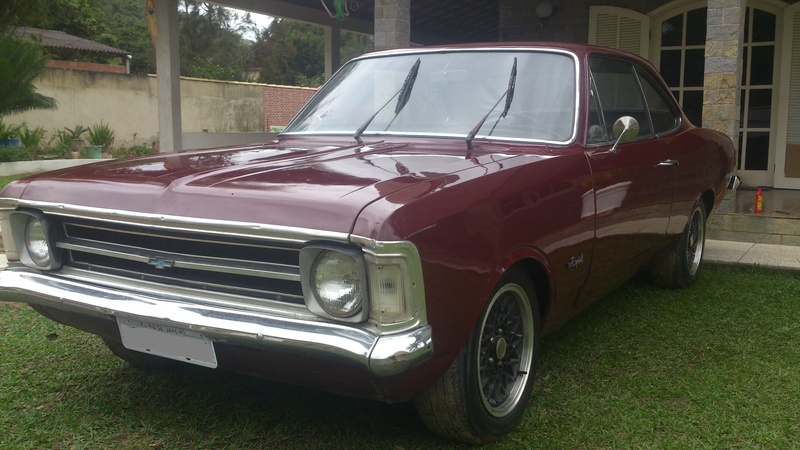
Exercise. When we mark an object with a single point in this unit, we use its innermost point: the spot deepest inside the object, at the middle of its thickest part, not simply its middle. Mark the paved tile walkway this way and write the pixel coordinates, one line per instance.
(745, 253)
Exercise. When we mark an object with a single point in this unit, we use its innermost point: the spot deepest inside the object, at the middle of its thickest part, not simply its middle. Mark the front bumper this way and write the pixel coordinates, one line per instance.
(381, 354)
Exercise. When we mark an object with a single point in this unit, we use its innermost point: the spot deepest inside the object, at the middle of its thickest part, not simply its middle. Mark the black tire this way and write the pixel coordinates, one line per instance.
(680, 268)
(137, 359)
(484, 393)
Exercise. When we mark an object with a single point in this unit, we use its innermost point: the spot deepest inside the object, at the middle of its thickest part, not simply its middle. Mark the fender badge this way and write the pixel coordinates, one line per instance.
(574, 262)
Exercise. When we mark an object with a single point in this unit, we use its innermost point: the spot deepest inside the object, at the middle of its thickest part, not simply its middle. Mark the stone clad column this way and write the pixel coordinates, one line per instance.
(392, 24)
(723, 66)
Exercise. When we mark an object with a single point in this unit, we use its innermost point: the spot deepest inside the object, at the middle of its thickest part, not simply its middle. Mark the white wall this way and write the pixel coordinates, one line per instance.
(128, 104)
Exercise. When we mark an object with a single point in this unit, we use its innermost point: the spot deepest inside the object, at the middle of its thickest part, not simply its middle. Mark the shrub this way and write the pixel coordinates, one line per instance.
(101, 134)
(10, 154)
(8, 131)
(136, 150)
(31, 139)
(75, 133)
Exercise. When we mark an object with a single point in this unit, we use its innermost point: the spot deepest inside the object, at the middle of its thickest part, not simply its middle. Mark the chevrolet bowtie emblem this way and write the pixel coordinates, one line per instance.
(160, 263)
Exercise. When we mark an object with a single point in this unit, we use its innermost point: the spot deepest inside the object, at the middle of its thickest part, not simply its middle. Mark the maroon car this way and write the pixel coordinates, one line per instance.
(411, 235)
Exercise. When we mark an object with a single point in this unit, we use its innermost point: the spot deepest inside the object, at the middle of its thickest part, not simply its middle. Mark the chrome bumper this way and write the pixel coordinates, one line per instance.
(381, 354)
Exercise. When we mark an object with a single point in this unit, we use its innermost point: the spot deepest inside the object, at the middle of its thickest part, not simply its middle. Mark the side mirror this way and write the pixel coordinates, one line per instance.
(625, 129)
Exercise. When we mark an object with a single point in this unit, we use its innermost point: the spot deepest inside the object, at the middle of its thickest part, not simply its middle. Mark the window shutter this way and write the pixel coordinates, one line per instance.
(791, 167)
(619, 28)
(793, 132)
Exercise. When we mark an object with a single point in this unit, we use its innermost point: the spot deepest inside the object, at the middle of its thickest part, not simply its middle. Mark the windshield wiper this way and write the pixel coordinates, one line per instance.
(509, 96)
(403, 94)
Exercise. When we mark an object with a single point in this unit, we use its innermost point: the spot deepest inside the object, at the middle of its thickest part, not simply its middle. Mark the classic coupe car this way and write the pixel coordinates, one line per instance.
(425, 219)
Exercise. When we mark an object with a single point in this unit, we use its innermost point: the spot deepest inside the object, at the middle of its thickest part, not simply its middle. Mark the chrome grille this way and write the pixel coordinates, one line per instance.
(215, 263)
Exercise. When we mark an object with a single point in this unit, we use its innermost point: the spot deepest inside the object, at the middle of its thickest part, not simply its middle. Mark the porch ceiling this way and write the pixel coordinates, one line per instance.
(432, 21)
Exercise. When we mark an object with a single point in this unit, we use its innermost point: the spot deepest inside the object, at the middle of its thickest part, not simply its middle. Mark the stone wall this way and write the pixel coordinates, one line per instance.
(723, 47)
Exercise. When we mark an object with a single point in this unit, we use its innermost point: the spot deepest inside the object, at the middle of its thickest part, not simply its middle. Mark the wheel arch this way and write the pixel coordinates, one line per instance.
(541, 283)
(707, 198)
(535, 265)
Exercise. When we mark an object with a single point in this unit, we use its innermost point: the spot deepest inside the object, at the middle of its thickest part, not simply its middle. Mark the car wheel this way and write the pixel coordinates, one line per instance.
(681, 267)
(484, 393)
(135, 358)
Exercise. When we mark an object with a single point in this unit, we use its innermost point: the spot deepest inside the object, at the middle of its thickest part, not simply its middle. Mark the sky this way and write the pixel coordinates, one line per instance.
(261, 20)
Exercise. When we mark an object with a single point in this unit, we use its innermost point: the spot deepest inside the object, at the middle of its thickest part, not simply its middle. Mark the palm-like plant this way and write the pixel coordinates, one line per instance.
(20, 64)
(31, 138)
(101, 134)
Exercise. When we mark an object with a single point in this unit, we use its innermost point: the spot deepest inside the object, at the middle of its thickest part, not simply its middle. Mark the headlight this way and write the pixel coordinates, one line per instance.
(334, 282)
(337, 283)
(36, 242)
(35, 236)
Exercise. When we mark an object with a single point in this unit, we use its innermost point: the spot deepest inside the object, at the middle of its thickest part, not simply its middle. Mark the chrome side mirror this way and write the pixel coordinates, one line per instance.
(625, 129)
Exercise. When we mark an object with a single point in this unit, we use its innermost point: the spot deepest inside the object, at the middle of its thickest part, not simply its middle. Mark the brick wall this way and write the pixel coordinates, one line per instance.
(88, 67)
(281, 103)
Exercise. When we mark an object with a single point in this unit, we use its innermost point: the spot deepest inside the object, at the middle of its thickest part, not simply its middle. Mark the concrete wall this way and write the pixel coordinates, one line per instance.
(128, 104)
(194, 140)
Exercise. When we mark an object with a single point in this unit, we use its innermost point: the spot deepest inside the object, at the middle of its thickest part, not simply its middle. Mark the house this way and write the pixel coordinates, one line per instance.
(52, 39)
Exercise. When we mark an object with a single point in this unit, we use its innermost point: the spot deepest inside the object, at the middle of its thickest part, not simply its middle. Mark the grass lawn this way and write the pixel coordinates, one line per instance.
(715, 366)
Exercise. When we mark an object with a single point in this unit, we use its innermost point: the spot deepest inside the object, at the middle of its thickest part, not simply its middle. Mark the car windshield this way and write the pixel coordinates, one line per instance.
(447, 94)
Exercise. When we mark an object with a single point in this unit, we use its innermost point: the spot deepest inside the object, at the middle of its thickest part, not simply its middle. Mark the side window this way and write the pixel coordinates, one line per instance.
(662, 111)
(597, 128)
(619, 93)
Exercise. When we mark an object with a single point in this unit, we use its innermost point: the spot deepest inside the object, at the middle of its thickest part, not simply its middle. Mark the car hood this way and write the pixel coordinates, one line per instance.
(295, 183)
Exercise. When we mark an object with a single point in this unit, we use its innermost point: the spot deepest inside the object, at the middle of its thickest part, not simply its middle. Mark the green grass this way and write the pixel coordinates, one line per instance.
(715, 366)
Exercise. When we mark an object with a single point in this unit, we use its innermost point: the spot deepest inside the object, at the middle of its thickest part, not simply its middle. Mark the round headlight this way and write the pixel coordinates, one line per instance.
(36, 242)
(337, 283)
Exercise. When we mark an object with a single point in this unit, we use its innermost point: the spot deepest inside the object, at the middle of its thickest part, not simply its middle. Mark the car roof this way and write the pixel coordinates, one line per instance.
(578, 49)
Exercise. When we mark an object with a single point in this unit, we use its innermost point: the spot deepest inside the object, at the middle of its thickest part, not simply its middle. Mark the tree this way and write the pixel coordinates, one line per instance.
(125, 28)
(293, 53)
(211, 41)
(21, 63)
(210, 38)
(289, 52)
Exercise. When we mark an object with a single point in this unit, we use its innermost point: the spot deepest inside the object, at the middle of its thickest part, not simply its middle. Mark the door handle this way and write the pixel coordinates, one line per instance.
(667, 162)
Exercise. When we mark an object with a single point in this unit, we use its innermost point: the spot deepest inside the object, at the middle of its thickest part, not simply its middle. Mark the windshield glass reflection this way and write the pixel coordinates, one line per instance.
(452, 92)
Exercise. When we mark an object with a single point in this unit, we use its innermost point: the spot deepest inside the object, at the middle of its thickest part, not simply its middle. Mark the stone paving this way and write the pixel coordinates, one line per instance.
(785, 257)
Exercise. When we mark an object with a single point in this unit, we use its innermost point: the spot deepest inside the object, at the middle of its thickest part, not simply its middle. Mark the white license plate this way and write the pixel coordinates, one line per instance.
(168, 342)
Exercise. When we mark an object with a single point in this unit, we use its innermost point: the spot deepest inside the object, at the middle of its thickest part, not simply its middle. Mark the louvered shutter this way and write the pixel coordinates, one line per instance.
(792, 167)
(619, 28)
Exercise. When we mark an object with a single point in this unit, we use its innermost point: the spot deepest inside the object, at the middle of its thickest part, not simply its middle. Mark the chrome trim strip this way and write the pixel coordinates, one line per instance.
(180, 223)
(162, 289)
(532, 49)
(382, 355)
(378, 133)
(202, 263)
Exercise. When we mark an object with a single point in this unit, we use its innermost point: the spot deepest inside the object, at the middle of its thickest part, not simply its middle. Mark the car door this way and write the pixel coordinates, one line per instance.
(633, 180)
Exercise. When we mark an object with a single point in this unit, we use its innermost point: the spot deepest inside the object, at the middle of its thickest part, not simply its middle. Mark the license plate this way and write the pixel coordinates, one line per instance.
(168, 342)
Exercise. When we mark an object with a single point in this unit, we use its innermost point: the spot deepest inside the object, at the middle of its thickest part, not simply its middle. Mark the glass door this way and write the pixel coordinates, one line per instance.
(682, 59)
(756, 164)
